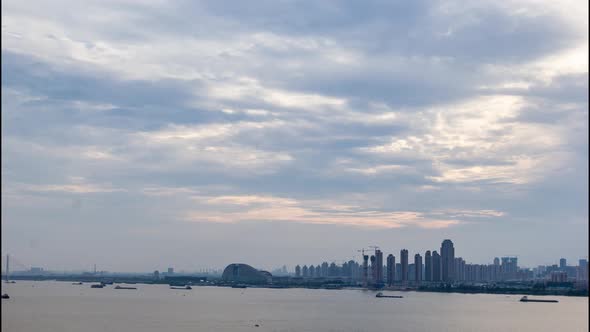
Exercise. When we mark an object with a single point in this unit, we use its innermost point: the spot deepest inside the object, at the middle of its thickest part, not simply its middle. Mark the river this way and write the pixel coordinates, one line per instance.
(51, 306)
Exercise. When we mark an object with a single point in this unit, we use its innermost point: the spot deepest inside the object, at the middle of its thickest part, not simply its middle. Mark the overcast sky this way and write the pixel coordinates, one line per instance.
(138, 135)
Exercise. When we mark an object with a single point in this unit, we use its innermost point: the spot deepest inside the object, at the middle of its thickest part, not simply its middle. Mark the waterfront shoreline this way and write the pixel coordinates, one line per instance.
(443, 289)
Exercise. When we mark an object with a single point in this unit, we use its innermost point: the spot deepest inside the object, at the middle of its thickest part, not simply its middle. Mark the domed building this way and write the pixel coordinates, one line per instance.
(245, 273)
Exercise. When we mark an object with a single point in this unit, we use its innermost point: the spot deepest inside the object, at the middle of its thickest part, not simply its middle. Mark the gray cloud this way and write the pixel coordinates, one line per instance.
(467, 118)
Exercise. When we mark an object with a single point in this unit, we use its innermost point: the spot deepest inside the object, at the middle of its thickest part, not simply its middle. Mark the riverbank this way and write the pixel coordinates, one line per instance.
(500, 288)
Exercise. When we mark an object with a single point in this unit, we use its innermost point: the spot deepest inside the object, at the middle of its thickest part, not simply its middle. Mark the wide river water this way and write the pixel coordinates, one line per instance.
(51, 306)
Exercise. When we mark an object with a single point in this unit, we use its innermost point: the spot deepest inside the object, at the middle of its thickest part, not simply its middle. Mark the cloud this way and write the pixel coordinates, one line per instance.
(466, 117)
(248, 208)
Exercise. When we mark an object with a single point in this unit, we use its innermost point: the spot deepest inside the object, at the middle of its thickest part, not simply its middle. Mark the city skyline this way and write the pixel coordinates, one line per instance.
(426, 261)
(141, 135)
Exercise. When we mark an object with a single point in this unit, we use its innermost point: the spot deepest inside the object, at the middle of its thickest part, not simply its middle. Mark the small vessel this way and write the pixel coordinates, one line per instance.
(380, 294)
(332, 287)
(526, 299)
(239, 286)
(77, 283)
(124, 287)
(5, 296)
(185, 287)
(97, 286)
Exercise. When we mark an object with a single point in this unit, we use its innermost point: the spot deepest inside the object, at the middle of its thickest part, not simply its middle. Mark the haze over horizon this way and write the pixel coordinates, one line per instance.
(138, 135)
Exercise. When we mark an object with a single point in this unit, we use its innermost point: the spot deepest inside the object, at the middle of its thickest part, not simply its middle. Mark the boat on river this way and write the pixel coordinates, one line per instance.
(380, 294)
(124, 287)
(526, 299)
(97, 286)
(185, 287)
(5, 296)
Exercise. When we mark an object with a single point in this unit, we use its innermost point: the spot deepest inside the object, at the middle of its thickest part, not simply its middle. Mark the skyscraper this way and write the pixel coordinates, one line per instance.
(304, 271)
(404, 261)
(379, 267)
(582, 269)
(390, 269)
(373, 269)
(447, 252)
(436, 266)
(509, 268)
(411, 272)
(418, 268)
(311, 271)
(562, 264)
(459, 269)
(298, 271)
(333, 270)
(324, 269)
(365, 275)
(427, 266)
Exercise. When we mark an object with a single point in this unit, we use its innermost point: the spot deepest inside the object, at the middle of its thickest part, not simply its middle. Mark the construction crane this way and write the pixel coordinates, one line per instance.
(375, 248)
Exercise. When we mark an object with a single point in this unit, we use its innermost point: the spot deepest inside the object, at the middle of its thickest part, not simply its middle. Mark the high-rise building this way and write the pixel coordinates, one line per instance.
(378, 267)
(436, 266)
(318, 271)
(459, 269)
(156, 275)
(404, 262)
(311, 271)
(509, 268)
(365, 275)
(373, 269)
(170, 271)
(411, 272)
(496, 271)
(325, 269)
(428, 266)
(304, 271)
(447, 253)
(562, 264)
(418, 268)
(582, 270)
(298, 271)
(559, 276)
(390, 269)
(345, 270)
(398, 272)
(333, 270)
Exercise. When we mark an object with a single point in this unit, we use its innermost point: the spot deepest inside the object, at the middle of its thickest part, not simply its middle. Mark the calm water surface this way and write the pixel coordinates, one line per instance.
(63, 307)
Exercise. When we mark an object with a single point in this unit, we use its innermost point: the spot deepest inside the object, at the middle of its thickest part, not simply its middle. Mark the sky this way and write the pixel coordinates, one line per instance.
(141, 135)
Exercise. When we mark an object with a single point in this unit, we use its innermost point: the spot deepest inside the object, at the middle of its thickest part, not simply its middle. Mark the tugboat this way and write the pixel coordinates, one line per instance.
(77, 283)
(97, 286)
(380, 294)
(526, 299)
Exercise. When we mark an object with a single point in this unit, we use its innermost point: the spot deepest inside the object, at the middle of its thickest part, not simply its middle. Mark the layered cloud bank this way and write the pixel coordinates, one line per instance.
(464, 117)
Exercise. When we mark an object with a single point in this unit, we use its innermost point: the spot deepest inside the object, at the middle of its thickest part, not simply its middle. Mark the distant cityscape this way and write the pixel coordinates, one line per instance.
(439, 266)
(436, 270)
